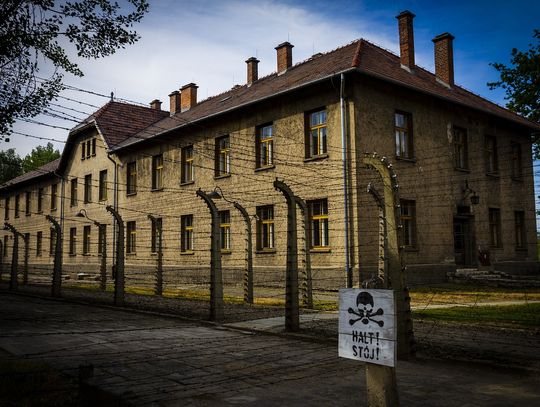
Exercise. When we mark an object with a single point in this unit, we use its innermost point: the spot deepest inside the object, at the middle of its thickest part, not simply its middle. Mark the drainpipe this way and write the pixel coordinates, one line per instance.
(345, 181)
(115, 205)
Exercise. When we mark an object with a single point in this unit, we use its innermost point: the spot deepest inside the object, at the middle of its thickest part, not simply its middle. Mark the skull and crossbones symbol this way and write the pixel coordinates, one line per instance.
(365, 313)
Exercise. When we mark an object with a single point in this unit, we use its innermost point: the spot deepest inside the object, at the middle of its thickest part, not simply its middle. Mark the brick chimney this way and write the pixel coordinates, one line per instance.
(284, 56)
(174, 98)
(252, 70)
(444, 59)
(155, 104)
(406, 39)
(188, 96)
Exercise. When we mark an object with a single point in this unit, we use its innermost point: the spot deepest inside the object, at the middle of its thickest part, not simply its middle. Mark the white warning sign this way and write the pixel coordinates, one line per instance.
(367, 325)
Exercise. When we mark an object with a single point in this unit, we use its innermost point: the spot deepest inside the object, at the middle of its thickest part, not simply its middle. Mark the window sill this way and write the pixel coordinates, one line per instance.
(187, 253)
(406, 159)
(226, 251)
(72, 254)
(267, 251)
(182, 184)
(315, 158)
(103, 200)
(222, 176)
(131, 253)
(27, 214)
(466, 170)
(265, 168)
(131, 194)
(156, 189)
(86, 254)
(53, 210)
(320, 250)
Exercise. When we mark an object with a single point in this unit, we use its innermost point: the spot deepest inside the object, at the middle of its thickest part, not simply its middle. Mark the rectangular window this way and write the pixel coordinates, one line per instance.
(408, 222)
(521, 235)
(6, 208)
(54, 191)
(517, 168)
(131, 237)
(17, 205)
(72, 241)
(265, 146)
(318, 213)
(73, 200)
(88, 188)
(88, 146)
(265, 227)
(93, 146)
(39, 243)
(6, 238)
(225, 230)
(102, 237)
(40, 200)
(316, 134)
(86, 240)
(103, 185)
(27, 203)
(223, 156)
(404, 135)
(188, 173)
(186, 232)
(52, 241)
(492, 159)
(156, 231)
(157, 172)
(461, 148)
(495, 227)
(131, 178)
(83, 150)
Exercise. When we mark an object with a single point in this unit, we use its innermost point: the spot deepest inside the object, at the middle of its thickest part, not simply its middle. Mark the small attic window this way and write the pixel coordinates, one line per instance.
(83, 150)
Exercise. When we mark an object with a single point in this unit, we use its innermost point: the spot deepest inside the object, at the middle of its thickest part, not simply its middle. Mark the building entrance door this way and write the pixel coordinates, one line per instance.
(463, 241)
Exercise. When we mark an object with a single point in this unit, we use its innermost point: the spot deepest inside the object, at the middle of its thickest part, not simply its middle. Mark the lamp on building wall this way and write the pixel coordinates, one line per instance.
(468, 192)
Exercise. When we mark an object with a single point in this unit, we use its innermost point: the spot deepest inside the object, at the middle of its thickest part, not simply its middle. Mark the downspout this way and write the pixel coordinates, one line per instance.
(115, 205)
(348, 270)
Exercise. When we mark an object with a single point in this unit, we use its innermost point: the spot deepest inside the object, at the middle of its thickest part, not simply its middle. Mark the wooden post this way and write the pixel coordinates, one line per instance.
(292, 313)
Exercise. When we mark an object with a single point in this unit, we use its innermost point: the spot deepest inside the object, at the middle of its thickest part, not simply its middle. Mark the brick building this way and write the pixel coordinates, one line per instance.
(464, 167)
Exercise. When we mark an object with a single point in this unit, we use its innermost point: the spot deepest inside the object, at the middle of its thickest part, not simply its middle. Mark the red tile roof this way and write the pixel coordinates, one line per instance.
(117, 121)
(42, 171)
(361, 56)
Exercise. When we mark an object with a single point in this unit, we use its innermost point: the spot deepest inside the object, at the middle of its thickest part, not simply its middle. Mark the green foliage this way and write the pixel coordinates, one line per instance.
(40, 156)
(521, 81)
(10, 165)
(32, 31)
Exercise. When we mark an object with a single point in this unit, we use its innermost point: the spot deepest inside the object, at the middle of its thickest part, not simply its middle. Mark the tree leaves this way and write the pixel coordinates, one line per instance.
(30, 31)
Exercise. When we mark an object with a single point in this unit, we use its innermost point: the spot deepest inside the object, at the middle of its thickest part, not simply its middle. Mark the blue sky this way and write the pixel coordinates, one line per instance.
(207, 42)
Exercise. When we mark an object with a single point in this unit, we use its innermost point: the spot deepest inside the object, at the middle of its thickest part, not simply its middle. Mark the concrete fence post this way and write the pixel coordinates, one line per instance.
(1, 259)
(292, 313)
(248, 274)
(57, 265)
(13, 281)
(159, 261)
(119, 266)
(102, 228)
(26, 240)
(307, 283)
(216, 277)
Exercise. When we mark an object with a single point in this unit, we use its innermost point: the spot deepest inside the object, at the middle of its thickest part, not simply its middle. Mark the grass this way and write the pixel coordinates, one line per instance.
(25, 383)
(520, 316)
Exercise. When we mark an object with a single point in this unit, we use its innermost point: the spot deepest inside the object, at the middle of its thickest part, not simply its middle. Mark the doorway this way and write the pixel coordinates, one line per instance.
(463, 241)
